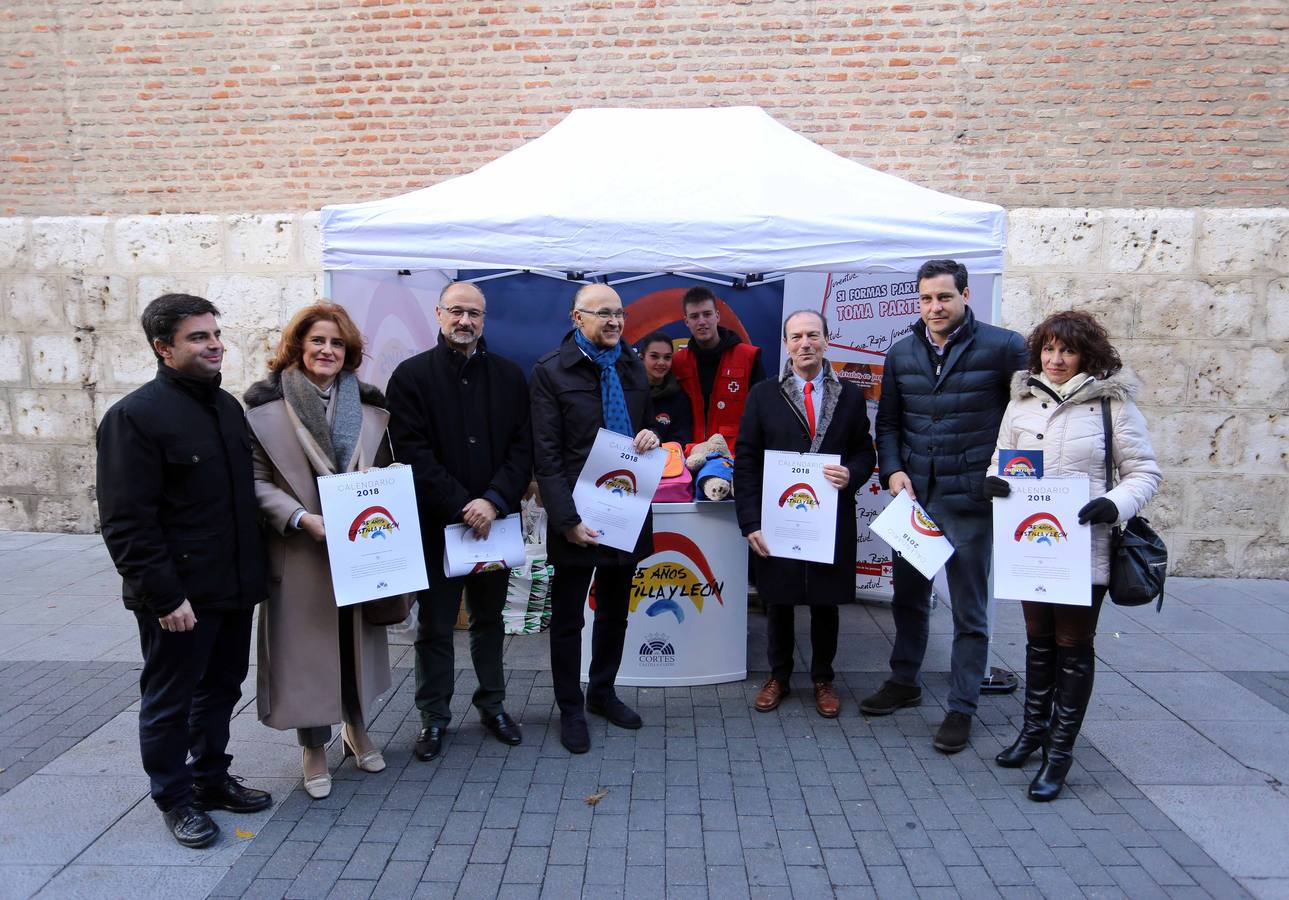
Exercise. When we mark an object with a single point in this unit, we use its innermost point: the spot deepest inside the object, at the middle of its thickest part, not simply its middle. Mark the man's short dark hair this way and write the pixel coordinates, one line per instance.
(933, 267)
(162, 316)
(823, 320)
(696, 295)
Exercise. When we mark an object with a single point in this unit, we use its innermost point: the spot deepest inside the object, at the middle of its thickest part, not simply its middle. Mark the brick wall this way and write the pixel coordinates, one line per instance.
(128, 107)
(1191, 299)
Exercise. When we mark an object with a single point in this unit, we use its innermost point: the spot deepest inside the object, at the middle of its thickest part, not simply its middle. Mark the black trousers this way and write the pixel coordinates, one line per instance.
(781, 631)
(568, 599)
(190, 685)
(436, 618)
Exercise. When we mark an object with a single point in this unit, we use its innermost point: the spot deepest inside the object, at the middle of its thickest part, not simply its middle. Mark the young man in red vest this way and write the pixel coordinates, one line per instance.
(716, 370)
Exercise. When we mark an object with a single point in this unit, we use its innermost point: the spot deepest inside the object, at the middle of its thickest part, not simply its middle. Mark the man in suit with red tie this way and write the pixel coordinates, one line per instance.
(806, 410)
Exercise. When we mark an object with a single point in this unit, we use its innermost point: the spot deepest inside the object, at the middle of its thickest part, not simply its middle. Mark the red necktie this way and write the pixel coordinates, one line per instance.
(810, 407)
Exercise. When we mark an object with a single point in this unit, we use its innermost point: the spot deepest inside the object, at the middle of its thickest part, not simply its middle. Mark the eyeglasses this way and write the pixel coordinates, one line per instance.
(460, 312)
(604, 314)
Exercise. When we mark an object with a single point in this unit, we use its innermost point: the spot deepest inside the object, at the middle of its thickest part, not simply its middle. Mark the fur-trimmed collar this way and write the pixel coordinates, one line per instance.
(1122, 385)
(270, 389)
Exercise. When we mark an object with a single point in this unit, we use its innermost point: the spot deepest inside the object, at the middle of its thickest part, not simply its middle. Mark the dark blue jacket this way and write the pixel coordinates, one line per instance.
(945, 426)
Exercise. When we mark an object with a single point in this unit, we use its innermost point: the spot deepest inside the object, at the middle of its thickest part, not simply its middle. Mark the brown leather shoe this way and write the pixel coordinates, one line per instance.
(771, 694)
(827, 703)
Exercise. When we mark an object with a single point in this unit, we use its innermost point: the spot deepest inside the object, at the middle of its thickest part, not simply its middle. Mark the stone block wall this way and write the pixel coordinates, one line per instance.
(1196, 302)
(1190, 296)
(71, 291)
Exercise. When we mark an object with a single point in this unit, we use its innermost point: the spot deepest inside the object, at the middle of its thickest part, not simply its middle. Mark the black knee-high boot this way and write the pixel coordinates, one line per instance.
(1040, 684)
(1076, 667)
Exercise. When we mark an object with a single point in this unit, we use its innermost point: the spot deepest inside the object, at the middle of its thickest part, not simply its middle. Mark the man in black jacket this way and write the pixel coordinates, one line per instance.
(458, 415)
(177, 502)
(593, 380)
(944, 389)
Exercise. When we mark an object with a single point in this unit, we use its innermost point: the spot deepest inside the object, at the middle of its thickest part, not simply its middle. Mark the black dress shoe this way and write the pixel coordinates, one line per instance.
(229, 793)
(616, 712)
(573, 733)
(191, 826)
(429, 743)
(503, 728)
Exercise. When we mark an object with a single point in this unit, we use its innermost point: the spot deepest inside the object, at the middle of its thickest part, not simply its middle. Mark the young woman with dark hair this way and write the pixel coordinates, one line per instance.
(1056, 408)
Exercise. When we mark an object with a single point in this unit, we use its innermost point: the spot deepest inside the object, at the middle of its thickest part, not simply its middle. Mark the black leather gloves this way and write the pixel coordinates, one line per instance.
(997, 487)
(1100, 511)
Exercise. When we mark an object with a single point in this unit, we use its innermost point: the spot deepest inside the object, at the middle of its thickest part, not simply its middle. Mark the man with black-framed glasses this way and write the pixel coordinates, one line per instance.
(458, 415)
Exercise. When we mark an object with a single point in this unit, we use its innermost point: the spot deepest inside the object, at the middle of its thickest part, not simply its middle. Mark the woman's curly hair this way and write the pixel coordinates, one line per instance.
(1083, 334)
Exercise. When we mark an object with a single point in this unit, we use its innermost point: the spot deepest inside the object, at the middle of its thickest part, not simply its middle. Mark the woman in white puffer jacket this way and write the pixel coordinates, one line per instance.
(1056, 408)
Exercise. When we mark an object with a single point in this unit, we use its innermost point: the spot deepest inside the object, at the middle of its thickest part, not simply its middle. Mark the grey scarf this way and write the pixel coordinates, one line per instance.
(338, 441)
(792, 391)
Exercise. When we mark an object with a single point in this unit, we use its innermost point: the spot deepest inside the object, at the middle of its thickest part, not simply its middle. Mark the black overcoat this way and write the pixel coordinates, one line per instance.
(567, 413)
(176, 497)
(431, 432)
(771, 422)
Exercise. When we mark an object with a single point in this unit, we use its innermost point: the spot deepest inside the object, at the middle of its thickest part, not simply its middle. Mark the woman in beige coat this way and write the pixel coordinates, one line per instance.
(1056, 408)
(318, 664)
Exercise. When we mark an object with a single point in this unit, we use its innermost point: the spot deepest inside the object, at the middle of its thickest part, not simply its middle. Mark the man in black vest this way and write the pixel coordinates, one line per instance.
(177, 501)
(458, 415)
(944, 389)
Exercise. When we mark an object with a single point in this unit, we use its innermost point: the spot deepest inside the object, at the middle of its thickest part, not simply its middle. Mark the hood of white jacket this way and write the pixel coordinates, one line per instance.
(1122, 385)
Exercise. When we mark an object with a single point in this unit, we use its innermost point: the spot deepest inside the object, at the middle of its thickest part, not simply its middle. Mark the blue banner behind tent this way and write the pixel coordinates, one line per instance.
(528, 313)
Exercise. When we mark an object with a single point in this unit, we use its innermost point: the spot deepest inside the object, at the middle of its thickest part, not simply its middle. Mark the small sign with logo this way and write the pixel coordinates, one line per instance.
(1020, 463)
(1041, 552)
(799, 506)
(905, 525)
(465, 553)
(373, 534)
(615, 488)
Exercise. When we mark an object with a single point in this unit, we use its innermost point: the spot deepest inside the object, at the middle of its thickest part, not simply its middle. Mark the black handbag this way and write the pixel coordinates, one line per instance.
(1138, 557)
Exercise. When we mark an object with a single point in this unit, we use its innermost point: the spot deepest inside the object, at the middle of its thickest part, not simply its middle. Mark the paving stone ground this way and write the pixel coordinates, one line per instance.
(1177, 790)
(49, 707)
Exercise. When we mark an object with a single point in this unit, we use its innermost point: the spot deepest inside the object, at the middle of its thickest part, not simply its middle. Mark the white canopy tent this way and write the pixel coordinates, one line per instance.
(726, 191)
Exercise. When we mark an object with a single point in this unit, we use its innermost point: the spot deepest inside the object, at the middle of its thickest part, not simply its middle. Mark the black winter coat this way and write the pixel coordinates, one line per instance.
(771, 422)
(176, 497)
(567, 414)
(431, 431)
(945, 426)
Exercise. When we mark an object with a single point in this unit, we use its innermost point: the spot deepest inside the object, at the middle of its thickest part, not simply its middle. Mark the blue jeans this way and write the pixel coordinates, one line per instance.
(968, 577)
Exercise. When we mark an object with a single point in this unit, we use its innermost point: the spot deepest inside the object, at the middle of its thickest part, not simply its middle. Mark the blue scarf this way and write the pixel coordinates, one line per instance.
(613, 401)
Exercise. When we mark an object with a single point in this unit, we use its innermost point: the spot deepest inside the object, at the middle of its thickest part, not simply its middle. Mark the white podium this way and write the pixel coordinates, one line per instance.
(688, 614)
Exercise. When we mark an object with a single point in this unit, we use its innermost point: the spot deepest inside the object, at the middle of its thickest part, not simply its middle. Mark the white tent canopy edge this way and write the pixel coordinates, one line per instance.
(667, 190)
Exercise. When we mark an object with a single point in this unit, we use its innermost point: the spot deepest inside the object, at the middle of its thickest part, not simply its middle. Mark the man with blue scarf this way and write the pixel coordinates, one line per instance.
(593, 380)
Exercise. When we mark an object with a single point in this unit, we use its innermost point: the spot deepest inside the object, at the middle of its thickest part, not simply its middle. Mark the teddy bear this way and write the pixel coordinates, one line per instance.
(699, 452)
(713, 468)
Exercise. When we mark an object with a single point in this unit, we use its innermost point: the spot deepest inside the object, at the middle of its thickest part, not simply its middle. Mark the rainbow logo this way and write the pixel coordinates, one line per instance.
(1020, 466)
(373, 523)
(922, 525)
(676, 571)
(619, 481)
(799, 496)
(1041, 528)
